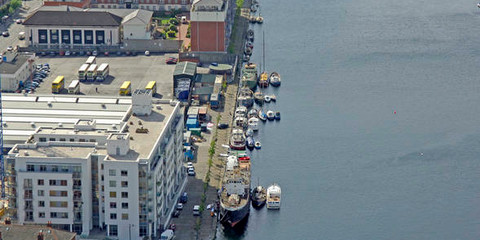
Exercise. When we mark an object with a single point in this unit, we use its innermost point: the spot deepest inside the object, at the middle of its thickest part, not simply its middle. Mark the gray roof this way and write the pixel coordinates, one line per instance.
(185, 68)
(73, 18)
(140, 14)
(203, 91)
(12, 67)
(205, 78)
(31, 231)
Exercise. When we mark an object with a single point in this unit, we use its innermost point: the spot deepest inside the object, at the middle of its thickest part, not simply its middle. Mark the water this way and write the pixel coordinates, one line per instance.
(379, 137)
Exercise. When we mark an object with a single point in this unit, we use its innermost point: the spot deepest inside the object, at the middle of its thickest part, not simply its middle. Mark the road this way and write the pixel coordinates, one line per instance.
(13, 28)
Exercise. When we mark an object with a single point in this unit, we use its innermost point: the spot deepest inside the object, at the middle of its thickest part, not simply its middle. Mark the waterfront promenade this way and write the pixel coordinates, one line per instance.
(204, 226)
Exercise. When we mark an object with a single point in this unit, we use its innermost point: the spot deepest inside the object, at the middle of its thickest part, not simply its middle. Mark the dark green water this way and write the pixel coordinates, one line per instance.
(349, 167)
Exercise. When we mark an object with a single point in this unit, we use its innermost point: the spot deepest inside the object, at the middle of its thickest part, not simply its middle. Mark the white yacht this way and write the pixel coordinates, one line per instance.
(274, 194)
(253, 123)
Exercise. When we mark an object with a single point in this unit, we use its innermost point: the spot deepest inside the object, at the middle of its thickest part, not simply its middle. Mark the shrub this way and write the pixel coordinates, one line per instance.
(171, 34)
(172, 28)
(173, 21)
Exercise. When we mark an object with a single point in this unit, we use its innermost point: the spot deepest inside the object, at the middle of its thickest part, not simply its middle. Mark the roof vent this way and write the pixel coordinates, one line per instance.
(32, 124)
(4, 124)
(60, 124)
(26, 153)
(114, 126)
(49, 103)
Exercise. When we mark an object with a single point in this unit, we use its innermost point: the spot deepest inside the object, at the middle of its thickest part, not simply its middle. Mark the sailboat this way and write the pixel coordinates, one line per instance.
(263, 80)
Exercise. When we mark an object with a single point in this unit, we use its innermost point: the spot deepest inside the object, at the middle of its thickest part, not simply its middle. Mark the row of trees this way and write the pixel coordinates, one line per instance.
(10, 7)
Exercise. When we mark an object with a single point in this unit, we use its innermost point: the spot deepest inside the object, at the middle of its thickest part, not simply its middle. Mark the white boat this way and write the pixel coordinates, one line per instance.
(258, 145)
(253, 123)
(274, 194)
(270, 115)
(241, 111)
(267, 98)
(240, 122)
(249, 132)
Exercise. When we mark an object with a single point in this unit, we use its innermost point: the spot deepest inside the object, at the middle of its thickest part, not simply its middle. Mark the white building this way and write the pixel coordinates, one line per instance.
(70, 27)
(124, 180)
(14, 69)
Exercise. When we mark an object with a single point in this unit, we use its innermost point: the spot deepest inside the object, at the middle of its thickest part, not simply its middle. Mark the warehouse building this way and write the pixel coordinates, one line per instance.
(14, 70)
(119, 170)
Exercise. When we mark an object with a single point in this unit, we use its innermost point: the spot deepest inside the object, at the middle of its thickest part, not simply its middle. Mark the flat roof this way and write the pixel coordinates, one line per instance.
(12, 67)
(141, 144)
(205, 78)
(23, 114)
(60, 151)
(16, 232)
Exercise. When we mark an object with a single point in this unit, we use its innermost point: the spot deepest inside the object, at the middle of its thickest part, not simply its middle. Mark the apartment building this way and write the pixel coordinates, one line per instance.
(124, 180)
(153, 5)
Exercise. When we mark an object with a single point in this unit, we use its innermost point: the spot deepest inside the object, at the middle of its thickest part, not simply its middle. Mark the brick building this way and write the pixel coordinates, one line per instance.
(211, 25)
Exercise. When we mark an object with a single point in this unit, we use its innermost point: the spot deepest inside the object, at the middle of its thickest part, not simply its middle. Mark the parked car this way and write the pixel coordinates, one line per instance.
(196, 210)
(184, 198)
(9, 48)
(147, 53)
(5, 34)
(191, 172)
(175, 213)
(222, 125)
(190, 165)
(179, 206)
(171, 60)
(19, 21)
(172, 226)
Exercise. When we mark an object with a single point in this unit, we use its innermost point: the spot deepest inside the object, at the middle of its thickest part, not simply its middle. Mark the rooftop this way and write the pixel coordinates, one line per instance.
(12, 67)
(75, 18)
(78, 151)
(17, 232)
(185, 68)
(205, 78)
(208, 5)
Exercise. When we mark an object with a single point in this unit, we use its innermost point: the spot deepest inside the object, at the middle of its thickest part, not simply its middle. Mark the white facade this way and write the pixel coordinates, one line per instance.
(125, 182)
(52, 35)
(209, 11)
(17, 71)
(137, 24)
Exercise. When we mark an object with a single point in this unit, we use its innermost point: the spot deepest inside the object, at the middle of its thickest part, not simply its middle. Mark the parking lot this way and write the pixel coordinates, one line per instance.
(137, 69)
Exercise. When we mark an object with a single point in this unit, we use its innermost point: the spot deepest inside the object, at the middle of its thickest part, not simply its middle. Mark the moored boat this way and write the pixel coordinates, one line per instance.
(240, 122)
(250, 143)
(241, 111)
(237, 140)
(268, 99)
(253, 123)
(245, 97)
(262, 115)
(274, 194)
(250, 35)
(270, 115)
(259, 19)
(252, 113)
(249, 75)
(249, 132)
(259, 97)
(258, 145)
(259, 197)
(263, 80)
(275, 79)
(277, 115)
(235, 194)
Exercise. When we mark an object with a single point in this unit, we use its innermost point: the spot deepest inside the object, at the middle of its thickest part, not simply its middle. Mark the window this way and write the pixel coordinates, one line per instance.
(113, 194)
(41, 214)
(124, 173)
(63, 215)
(30, 168)
(81, 140)
(54, 168)
(63, 182)
(112, 172)
(42, 37)
(54, 193)
(113, 184)
(113, 230)
(113, 205)
(124, 184)
(124, 216)
(41, 203)
(100, 37)
(143, 231)
(52, 139)
(124, 205)
(77, 36)
(113, 216)
(65, 169)
(72, 140)
(53, 215)
(124, 194)
(92, 140)
(59, 204)
(43, 168)
(40, 182)
(88, 36)
(66, 36)
(41, 193)
(62, 139)
(53, 36)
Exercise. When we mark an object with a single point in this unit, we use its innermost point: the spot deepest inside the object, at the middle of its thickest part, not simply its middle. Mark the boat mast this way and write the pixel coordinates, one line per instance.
(263, 47)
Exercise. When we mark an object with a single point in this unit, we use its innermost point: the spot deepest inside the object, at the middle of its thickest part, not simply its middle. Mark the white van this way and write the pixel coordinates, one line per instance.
(184, 20)
(167, 235)
(21, 35)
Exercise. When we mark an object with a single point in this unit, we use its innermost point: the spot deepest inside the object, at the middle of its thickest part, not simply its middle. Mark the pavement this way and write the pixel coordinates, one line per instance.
(182, 35)
(14, 28)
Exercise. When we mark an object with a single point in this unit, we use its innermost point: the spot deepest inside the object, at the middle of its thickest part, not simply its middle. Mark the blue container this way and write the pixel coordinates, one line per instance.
(192, 123)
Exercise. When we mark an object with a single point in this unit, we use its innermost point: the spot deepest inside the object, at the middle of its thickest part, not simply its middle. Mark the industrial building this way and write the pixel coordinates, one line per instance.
(103, 163)
(211, 25)
(183, 77)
